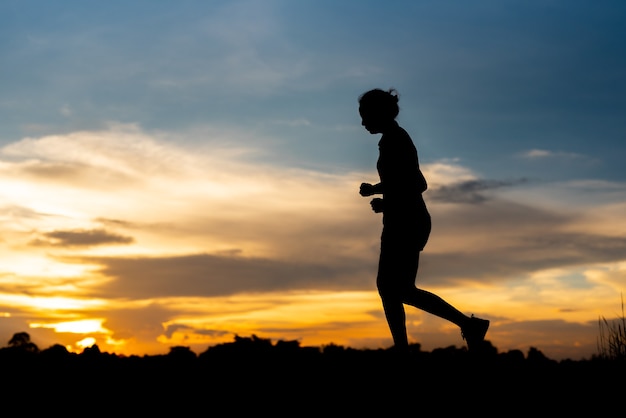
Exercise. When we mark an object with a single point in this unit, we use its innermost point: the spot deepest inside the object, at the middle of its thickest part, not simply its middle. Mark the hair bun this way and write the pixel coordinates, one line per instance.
(394, 93)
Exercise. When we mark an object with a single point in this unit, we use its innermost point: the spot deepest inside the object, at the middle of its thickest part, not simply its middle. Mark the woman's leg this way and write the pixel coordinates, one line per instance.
(396, 319)
(473, 329)
(429, 302)
(433, 304)
(395, 267)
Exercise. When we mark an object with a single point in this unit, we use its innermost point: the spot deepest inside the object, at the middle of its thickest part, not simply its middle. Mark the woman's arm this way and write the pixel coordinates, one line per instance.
(368, 189)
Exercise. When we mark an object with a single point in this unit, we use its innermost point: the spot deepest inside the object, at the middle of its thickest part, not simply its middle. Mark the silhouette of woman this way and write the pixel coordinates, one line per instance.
(406, 224)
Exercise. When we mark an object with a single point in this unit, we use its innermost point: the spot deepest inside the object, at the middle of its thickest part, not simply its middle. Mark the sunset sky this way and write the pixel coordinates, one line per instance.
(174, 173)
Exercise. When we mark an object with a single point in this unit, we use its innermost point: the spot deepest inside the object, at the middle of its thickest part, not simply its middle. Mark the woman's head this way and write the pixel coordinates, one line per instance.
(378, 108)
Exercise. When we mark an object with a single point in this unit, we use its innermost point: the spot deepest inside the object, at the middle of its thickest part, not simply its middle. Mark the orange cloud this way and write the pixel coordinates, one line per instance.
(139, 224)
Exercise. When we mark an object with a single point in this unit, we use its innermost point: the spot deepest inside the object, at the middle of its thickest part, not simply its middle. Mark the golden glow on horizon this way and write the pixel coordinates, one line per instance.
(86, 342)
(309, 317)
(175, 202)
(33, 265)
(82, 326)
(51, 305)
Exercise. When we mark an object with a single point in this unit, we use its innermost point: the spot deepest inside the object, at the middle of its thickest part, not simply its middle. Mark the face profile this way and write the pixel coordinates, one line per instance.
(378, 110)
(370, 120)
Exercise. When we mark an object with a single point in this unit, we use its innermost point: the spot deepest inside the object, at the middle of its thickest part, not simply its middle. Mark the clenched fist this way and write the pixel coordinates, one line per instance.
(366, 189)
(377, 204)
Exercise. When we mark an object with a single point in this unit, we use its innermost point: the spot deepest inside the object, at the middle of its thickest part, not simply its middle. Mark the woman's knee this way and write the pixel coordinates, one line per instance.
(391, 291)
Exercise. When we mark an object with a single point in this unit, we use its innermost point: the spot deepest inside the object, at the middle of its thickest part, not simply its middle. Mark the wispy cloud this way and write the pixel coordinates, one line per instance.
(470, 191)
(121, 215)
(293, 122)
(548, 154)
(80, 238)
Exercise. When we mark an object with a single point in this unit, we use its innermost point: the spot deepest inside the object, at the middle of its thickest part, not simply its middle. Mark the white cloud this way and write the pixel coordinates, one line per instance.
(66, 110)
(542, 153)
(207, 221)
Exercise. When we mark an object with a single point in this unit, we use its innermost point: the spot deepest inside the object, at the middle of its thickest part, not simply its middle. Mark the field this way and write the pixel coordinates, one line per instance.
(256, 376)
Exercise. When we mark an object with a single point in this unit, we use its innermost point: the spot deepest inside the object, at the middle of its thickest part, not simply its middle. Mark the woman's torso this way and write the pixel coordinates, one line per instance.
(402, 179)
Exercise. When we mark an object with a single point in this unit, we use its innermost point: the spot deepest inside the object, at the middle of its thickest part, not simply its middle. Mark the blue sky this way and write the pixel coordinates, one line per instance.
(480, 81)
(516, 107)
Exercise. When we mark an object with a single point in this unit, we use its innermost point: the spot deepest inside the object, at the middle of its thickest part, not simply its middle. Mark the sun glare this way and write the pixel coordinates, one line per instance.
(56, 303)
(86, 342)
(31, 265)
(84, 326)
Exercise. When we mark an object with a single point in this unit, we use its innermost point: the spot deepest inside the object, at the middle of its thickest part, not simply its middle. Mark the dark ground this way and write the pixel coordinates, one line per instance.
(255, 376)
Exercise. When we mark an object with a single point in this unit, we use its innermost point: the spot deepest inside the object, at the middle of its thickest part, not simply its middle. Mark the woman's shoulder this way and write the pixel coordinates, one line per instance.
(396, 138)
(401, 132)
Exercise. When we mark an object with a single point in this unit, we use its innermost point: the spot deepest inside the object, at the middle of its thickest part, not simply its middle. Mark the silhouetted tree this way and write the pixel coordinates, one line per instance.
(55, 352)
(94, 349)
(21, 341)
(536, 357)
(181, 353)
(332, 348)
(515, 356)
(287, 346)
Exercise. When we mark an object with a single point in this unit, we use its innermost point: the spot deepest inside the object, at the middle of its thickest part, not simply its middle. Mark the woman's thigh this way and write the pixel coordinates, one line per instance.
(397, 265)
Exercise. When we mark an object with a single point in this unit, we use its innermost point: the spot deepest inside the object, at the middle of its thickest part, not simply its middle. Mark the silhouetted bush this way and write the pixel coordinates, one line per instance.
(253, 375)
(21, 342)
(612, 337)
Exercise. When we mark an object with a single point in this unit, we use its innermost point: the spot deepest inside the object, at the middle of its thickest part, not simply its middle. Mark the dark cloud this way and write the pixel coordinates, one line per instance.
(219, 275)
(206, 275)
(171, 329)
(497, 218)
(470, 191)
(114, 222)
(136, 322)
(53, 170)
(79, 174)
(530, 254)
(81, 238)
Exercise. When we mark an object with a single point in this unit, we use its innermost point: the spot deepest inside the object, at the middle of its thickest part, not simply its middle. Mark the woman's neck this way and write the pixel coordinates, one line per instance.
(389, 127)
